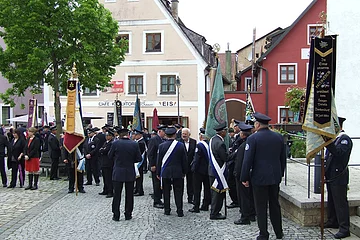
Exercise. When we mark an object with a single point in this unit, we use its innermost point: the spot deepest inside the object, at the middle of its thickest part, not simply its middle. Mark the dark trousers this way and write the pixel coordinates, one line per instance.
(338, 207)
(3, 171)
(262, 196)
(156, 188)
(189, 186)
(217, 199)
(80, 179)
(139, 188)
(14, 171)
(54, 168)
(178, 186)
(199, 180)
(245, 194)
(129, 198)
(107, 177)
(232, 184)
(91, 167)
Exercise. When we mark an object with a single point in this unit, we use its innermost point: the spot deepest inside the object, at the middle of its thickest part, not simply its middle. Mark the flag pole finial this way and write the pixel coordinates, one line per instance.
(74, 73)
(216, 48)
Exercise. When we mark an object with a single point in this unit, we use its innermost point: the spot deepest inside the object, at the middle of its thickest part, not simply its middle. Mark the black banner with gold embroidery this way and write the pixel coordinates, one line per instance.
(323, 76)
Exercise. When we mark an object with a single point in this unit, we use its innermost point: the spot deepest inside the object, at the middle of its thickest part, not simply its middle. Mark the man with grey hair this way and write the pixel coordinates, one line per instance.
(190, 146)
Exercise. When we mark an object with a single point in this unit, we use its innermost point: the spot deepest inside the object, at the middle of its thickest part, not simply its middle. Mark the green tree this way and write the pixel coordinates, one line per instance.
(293, 98)
(45, 37)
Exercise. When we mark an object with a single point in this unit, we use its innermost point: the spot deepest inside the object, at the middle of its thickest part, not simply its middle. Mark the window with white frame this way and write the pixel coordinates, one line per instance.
(313, 30)
(251, 84)
(286, 115)
(153, 42)
(5, 114)
(125, 37)
(135, 84)
(167, 84)
(287, 73)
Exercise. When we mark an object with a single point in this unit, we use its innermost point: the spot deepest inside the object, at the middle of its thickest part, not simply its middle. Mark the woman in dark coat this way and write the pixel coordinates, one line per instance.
(32, 158)
(16, 158)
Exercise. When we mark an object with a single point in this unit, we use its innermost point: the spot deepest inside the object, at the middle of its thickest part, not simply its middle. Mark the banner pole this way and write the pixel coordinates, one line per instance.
(322, 194)
(76, 179)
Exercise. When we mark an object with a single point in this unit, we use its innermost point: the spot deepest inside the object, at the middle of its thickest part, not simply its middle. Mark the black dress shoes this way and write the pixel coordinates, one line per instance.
(232, 205)
(204, 208)
(180, 214)
(97, 184)
(116, 219)
(11, 186)
(242, 222)
(103, 193)
(194, 210)
(128, 217)
(109, 196)
(71, 191)
(88, 183)
(138, 194)
(158, 205)
(252, 219)
(82, 191)
(341, 235)
(219, 216)
(280, 236)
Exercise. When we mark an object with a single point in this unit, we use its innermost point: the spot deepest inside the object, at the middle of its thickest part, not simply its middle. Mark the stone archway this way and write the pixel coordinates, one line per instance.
(235, 109)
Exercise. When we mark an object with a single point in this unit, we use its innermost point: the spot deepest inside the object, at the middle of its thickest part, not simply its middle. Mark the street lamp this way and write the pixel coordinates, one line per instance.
(178, 84)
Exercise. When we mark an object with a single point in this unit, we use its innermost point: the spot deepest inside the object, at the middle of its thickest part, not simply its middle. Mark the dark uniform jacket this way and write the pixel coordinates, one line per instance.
(201, 159)
(106, 162)
(92, 148)
(190, 152)
(337, 159)
(265, 156)
(32, 151)
(154, 143)
(142, 146)
(239, 159)
(45, 136)
(219, 151)
(4, 143)
(125, 153)
(54, 147)
(233, 149)
(177, 165)
(70, 157)
(16, 149)
(102, 138)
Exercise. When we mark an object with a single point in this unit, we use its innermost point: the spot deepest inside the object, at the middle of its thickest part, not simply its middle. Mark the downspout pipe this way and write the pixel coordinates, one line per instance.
(266, 89)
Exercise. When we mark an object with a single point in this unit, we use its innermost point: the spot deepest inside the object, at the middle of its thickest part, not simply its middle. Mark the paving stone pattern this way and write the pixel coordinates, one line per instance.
(51, 213)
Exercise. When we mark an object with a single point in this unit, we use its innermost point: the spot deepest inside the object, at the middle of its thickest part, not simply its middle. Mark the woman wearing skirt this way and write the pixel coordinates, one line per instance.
(32, 159)
(17, 161)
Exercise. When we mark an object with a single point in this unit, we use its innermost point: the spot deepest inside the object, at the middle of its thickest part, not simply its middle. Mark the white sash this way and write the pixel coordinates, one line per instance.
(138, 164)
(166, 157)
(219, 173)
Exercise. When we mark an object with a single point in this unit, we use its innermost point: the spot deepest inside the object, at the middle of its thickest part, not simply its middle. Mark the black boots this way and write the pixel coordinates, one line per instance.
(36, 180)
(31, 177)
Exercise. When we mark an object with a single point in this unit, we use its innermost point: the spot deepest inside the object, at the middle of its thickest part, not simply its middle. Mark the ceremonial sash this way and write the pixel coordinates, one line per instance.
(206, 148)
(220, 184)
(167, 158)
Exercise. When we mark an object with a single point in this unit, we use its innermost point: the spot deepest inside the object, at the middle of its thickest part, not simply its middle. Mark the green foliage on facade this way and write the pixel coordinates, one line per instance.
(292, 98)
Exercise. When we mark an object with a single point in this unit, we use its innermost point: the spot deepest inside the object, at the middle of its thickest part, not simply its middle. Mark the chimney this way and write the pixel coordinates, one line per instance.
(175, 10)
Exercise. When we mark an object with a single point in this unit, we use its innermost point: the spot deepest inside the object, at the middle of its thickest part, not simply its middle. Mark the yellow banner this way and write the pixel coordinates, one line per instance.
(70, 108)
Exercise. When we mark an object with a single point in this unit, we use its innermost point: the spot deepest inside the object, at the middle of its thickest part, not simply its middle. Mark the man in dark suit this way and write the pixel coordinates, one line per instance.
(171, 168)
(219, 156)
(4, 143)
(54, 153)
(139, 188)
(190, 146)
(69, 160)
(107, 164)
(45, 135)
(125, 154)
(265, 158)
(154, 143)
(91, 153)
(200, 168)
(245, 195)
(337, 179)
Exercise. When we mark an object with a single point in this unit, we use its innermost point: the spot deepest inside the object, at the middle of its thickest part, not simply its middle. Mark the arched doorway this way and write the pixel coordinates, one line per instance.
(235, 109)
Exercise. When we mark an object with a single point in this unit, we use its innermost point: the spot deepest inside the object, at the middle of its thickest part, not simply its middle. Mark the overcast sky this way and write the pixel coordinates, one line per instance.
(232, 21)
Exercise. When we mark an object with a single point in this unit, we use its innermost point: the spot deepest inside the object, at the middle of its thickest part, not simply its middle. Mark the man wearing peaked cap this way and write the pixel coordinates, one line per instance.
(153, 146)
(54, 153)
(91, 152)
(179, 127)
(139, 138)
(337, 179)
(171, 168)
(263, 165)
(218, 149)
(107, 164)
(245, 195)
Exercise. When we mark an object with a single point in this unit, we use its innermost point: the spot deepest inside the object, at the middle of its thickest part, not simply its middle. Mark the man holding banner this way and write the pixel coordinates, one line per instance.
(218, 157)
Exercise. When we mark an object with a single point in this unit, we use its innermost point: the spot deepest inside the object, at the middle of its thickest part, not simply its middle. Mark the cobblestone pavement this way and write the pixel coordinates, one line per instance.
(51, 213)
